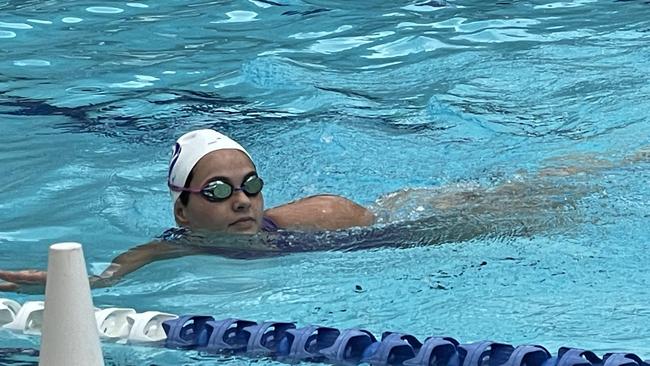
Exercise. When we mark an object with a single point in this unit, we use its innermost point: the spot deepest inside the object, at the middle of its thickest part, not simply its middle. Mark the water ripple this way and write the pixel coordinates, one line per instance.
(239, 16)
(406, 46)
(37, 63)
(137, 5)
(104, 10)
(7, 34)
(71, 20)
(15, 25)
(333, 45)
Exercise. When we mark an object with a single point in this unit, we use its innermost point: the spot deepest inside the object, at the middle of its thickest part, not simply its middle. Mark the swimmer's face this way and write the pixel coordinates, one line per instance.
(239, 213)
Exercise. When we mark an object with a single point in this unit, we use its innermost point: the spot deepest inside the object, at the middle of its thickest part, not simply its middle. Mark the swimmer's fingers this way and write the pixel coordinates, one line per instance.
(25, 277)
(8, 287)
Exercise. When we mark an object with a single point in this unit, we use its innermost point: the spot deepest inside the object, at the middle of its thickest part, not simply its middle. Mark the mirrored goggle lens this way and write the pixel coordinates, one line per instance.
(253, 185)
(219, 190)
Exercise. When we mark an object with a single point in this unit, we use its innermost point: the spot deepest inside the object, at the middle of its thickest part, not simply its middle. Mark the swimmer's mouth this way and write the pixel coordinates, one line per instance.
(243, 219)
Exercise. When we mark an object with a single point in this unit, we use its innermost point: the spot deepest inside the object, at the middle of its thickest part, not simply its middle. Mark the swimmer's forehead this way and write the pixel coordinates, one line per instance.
(229, 164)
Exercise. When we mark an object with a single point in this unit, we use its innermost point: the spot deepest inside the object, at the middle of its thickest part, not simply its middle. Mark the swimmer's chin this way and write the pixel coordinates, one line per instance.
(247, 226)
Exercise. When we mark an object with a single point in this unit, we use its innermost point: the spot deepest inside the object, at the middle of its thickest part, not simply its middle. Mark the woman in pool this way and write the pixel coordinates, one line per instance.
(215, 188)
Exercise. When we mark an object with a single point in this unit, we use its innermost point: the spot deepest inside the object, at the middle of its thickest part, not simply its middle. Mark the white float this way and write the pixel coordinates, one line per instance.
(147, 326)
(8, 310)
(28, 319)
(113, 323)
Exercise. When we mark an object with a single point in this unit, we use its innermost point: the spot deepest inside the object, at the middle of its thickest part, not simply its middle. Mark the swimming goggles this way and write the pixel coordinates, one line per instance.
(218, 190)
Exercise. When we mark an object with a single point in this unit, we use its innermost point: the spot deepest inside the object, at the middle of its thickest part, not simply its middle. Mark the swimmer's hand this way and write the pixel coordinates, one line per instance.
(30, 281)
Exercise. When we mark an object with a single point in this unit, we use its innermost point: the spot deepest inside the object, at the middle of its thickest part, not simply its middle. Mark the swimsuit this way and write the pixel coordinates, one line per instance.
(268, 225)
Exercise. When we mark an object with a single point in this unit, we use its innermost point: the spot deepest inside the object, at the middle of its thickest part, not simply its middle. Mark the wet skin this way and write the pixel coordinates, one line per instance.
(239, 214)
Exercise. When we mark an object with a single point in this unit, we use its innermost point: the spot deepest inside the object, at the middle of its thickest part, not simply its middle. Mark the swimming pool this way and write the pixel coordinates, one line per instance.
(355, 98)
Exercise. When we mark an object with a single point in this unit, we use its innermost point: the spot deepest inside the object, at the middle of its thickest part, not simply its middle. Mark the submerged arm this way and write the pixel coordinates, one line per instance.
(138, 257)
(33, 281)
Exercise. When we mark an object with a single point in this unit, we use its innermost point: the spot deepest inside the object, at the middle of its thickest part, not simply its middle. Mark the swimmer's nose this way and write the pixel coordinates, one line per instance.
(241, 201)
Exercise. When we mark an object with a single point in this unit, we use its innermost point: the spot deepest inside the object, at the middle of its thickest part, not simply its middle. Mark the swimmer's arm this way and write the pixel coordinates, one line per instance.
(33, 281)
(322, 212)
(138, 257)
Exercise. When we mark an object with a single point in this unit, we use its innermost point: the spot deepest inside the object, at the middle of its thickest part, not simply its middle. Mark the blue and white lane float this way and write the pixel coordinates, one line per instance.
(289, 344)
(120, 325)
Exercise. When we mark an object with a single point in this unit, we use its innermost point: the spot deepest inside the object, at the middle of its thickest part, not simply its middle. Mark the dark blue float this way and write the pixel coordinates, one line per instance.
(287, 343)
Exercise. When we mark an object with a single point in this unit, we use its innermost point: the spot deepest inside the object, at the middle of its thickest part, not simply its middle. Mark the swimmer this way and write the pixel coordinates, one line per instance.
(214, 187)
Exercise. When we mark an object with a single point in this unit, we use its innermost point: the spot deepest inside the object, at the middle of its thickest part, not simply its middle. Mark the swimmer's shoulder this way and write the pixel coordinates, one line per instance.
(320, 212)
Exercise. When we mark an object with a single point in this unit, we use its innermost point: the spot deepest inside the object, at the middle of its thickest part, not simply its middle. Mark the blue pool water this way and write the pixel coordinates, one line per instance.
(358, 98)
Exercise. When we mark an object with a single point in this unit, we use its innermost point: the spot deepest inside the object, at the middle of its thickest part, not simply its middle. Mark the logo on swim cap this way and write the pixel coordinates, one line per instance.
(175, 154)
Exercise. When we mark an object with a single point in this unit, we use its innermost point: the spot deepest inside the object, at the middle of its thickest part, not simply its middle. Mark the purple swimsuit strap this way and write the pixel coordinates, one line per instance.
(268, 225)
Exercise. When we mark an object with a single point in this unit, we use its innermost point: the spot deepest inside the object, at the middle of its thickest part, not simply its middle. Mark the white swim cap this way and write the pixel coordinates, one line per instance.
(189, 149)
